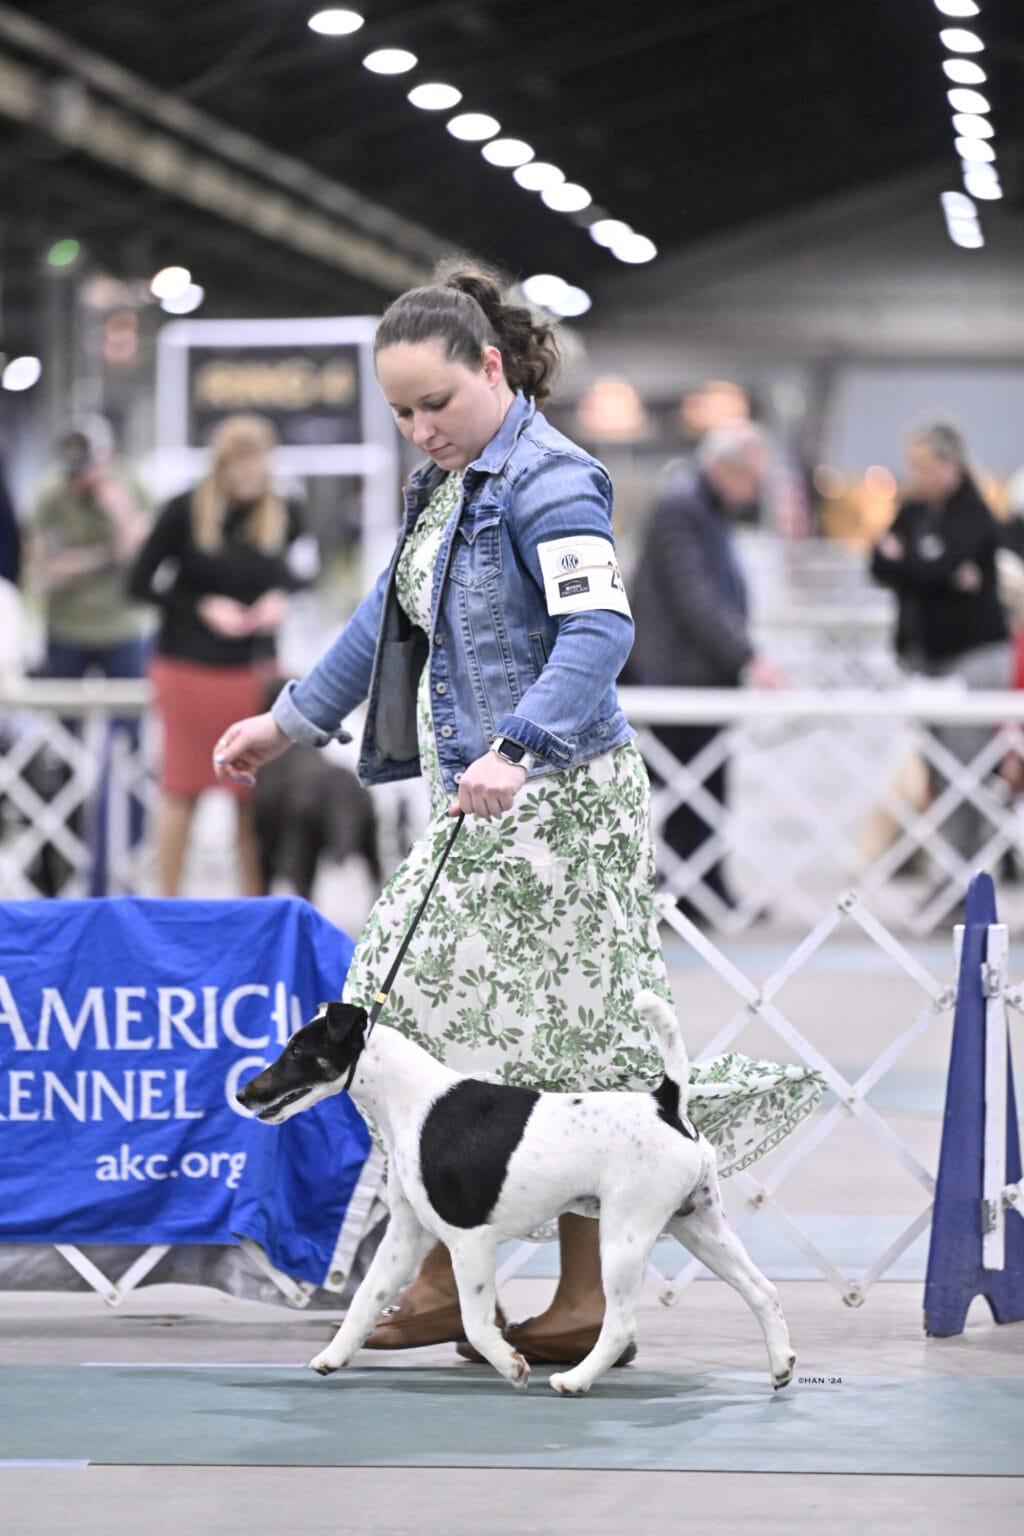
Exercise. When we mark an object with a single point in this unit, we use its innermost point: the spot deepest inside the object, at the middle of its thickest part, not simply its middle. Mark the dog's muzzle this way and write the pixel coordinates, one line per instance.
(268, 1112)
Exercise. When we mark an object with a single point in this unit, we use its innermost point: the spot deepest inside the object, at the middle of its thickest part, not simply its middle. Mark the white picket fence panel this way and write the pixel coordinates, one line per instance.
(760, 1000)
(813, 774)
(809, 766)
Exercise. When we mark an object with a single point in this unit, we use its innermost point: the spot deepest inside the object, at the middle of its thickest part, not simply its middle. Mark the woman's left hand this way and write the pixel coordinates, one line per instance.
(489, 786)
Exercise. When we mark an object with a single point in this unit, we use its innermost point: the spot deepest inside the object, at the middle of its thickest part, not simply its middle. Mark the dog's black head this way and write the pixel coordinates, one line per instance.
(314, 1064)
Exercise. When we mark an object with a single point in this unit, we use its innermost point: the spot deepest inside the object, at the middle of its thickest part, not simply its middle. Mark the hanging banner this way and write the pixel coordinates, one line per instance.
(126, 1029)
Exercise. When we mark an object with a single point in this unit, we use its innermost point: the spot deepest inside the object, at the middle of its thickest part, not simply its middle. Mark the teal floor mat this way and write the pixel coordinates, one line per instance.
(467, 1417)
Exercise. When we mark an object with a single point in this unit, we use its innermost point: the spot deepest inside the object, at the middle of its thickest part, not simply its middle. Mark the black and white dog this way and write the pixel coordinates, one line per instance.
(474, 1163)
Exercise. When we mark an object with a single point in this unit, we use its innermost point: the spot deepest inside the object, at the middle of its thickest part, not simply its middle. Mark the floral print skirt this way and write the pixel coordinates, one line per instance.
(539, 933)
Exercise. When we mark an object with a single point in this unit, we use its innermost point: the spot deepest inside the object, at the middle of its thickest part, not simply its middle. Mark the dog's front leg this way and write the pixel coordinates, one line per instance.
(403, 1247)
(473, 1259)
(623, 1264)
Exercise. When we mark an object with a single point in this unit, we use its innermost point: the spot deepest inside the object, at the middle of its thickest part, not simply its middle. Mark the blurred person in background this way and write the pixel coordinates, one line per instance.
(85, 526)
(783, 499)
(219, 563)
(10, 534)
(11, 618)
(939, 557)
(709, 407)
(691, 609)
(87, 523)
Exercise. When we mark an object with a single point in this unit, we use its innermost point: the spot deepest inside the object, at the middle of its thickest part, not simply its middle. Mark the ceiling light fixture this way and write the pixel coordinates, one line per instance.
(963, 100)
(473, 125)
(607, 231)
(21, 373)
(971, 126)
(983, 181)
(335, 23)
(553, 293)
(434, 97)
(974, 149)
(566, 197)
(959, 40)
(169, 282)
(186, 302)
(573, 302)
(544, 288)
(390, 61)
(507, 152)
(634, 249)
(964, 72)
(538, 176)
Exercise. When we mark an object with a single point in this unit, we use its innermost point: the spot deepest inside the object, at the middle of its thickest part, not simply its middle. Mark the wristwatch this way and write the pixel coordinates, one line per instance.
(511, 752)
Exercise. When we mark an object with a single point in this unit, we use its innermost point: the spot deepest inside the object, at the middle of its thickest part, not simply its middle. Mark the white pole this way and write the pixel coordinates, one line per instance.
(993, 1216)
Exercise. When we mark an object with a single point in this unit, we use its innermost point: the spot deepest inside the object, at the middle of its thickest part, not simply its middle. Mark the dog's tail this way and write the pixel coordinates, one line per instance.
(661, 1017)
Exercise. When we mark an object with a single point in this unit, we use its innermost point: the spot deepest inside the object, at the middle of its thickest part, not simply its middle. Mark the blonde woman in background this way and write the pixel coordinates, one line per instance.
(220, 563)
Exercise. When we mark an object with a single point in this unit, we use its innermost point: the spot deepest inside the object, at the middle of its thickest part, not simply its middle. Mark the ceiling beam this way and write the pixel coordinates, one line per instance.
(99, 109)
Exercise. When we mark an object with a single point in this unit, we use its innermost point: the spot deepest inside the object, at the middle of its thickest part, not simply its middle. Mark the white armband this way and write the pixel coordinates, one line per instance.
(581, 572)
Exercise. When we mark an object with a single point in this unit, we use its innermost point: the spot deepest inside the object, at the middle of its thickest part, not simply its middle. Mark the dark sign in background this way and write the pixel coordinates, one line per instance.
(310, 393)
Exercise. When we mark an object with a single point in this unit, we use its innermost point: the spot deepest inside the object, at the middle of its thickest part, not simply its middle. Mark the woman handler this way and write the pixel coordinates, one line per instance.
(488, 652)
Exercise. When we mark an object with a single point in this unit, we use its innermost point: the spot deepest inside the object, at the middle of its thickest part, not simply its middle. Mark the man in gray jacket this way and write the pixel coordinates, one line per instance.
(690, 608)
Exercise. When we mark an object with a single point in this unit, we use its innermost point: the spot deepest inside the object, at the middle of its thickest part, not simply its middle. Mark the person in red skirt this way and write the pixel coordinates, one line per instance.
(220, 562)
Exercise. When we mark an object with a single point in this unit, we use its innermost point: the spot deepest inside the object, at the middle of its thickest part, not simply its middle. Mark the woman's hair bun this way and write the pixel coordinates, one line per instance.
(466, 307)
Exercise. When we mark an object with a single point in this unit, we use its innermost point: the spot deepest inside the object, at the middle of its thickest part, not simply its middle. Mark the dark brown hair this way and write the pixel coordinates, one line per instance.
(466, 309)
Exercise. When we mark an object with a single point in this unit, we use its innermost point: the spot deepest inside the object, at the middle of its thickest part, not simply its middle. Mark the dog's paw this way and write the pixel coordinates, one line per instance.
(783, 1378)
(569, 1384)
(521, 1379)
(323, 1364)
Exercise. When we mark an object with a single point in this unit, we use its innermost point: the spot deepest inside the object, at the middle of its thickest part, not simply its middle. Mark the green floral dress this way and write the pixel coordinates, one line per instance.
(541, 930)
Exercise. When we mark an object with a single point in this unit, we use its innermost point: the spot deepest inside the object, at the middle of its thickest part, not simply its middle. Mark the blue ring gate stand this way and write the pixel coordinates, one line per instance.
(977, 1238)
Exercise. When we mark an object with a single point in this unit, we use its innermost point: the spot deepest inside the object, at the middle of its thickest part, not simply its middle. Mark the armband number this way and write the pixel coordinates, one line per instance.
(581, 573)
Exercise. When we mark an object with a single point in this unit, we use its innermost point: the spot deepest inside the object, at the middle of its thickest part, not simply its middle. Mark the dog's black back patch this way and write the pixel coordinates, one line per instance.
(666, 1096)
(465, 1145)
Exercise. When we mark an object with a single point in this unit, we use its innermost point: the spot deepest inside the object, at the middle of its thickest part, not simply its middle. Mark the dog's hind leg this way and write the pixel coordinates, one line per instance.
(473, 1261)
(625, 1249)
(708, 1236)
(402, 1249)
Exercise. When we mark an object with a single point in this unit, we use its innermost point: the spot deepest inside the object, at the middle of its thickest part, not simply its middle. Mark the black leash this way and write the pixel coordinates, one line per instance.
(381, 996)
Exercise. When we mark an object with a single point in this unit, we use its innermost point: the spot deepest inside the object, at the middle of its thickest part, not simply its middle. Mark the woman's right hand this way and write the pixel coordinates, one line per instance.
(246, 746)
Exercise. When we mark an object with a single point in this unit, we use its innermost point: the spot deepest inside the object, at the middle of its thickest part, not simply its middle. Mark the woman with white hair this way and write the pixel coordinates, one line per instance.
(220, 563)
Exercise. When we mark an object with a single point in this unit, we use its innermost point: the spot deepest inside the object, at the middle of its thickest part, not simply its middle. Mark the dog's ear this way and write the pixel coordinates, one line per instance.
(344, 1020)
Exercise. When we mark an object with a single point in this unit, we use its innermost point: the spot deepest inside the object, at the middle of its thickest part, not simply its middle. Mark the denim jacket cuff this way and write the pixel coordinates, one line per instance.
(297, 726)
(536, 740)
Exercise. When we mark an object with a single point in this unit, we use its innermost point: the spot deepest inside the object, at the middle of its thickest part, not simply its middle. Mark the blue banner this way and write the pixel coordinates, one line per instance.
(126, 1028)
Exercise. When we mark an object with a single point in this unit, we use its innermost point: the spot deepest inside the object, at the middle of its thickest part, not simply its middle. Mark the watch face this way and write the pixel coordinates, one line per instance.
(511, 751)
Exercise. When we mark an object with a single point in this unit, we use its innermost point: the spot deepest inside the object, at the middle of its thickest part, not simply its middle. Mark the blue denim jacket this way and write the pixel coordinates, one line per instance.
(499, 663)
